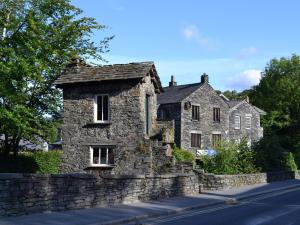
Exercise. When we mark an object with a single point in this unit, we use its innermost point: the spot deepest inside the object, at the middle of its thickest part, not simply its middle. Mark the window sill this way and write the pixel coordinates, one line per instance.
(102, 166)
(98, 124)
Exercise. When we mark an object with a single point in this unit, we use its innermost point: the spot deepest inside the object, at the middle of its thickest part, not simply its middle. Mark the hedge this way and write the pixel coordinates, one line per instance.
(31, 162)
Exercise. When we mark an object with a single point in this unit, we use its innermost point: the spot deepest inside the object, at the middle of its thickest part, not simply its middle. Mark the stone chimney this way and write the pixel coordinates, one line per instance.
(172, 83)
(247, 99)
(204, 78)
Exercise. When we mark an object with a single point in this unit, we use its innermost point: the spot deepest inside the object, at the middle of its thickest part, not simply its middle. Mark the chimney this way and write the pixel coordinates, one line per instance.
(247, 99)
(204, 78)
(172, 83)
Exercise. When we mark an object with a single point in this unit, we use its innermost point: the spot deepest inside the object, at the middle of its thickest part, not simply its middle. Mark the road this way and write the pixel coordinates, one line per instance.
(273, 209)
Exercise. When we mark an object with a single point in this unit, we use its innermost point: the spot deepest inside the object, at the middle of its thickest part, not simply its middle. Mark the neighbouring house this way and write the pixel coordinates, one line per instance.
(203, 117)
(109, 116)
(200, 114)
(244, 121)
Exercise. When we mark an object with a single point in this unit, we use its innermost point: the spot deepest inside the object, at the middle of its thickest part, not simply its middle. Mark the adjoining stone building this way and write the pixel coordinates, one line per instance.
(203, 117)
(244, 121)
(109, 115)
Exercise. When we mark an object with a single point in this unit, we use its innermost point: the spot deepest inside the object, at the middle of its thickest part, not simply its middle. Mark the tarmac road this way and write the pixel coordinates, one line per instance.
(281, 208)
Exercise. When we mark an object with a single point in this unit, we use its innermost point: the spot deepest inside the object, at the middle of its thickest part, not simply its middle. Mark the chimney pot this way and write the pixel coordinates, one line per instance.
(172, 83)
(204, 78)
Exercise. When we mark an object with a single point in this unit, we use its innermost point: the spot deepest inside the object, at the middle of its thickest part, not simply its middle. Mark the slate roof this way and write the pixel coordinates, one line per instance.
(176, 94)
(233, 103)
(81, 73)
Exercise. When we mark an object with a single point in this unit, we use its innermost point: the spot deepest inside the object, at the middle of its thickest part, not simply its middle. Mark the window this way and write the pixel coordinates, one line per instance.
(248, 122)
(102, 156)
(237, 122)
(195, 112)
(216, 113)
(196, 140)
(102, 108)
(216, 139)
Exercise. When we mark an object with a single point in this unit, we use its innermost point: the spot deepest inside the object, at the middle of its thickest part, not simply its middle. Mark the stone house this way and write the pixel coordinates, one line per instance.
(109, 115)
(203, 117)
(244, 121)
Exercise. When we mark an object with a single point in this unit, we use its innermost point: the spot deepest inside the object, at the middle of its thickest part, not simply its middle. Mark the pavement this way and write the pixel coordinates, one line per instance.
(134, 213)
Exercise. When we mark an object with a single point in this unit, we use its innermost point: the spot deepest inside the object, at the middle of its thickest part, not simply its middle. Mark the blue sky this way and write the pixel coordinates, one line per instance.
(232, 41)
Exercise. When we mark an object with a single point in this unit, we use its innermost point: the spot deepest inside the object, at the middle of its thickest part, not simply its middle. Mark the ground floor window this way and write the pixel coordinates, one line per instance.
(102, 156)
(196, 140)
(216, 139)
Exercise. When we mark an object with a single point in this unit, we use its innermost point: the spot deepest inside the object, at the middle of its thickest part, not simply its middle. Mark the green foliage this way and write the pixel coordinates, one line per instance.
(31, 162)
(288, 161)
(40, 39)
(234, 95)
(182, 155)
(231, 158)
(278, 93)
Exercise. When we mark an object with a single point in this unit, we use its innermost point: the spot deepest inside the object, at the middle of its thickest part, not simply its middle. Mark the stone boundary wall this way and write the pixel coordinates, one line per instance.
(211, 181)
(31, 193)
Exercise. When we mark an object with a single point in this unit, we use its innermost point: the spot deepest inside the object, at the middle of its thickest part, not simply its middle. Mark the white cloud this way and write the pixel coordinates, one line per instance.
(247, 52)
(192, 33)
(244, 80)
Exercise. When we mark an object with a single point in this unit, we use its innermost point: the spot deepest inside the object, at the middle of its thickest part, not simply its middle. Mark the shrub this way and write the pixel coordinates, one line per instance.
(31, 162)
(288, 161)
(182, 155)
(231, 158)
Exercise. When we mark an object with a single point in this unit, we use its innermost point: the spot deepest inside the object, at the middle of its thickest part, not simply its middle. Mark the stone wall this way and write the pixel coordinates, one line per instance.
(220, 182)
(253, 134)
(207, 99)
(29, 193)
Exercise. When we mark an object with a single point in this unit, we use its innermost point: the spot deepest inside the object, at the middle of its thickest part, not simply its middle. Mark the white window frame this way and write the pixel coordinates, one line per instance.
(237, 125)
(96, 107)
(100, 164)
(248, 121)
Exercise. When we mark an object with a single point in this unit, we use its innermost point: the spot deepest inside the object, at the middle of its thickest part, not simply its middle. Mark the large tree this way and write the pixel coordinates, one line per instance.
(38, 38)
(278, 93)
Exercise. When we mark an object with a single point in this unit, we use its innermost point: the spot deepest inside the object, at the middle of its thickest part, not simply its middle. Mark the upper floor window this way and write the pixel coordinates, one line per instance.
(237, 122)
(101, 108)
(102, 156)
(216, 115)
(195, 140)
(195, 112)
(248, 122)
(216, 140)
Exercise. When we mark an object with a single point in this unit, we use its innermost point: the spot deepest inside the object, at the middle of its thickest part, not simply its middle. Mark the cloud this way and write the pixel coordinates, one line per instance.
(244, 80)
(192, 33)
(247, 52)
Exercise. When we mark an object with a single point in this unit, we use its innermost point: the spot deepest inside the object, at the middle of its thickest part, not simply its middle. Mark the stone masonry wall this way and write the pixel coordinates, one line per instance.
(253, 134)
(207, 99)
(125, 130)
(29, 193)
(219, 182)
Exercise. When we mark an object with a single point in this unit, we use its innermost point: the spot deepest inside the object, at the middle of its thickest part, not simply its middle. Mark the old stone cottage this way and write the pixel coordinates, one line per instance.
(109, 116)
(203, 117)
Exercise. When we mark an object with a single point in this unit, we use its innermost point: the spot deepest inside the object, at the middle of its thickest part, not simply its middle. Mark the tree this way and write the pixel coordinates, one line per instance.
(234, 95)
(38, 39)
(278, 93)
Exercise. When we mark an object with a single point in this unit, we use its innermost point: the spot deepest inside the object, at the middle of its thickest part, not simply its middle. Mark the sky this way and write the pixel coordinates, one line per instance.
(232, 41)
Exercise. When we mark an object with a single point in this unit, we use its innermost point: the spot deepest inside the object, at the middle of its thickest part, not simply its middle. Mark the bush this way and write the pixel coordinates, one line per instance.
(288, 161)
(231, 158)
(31, 162)
(182, 155)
